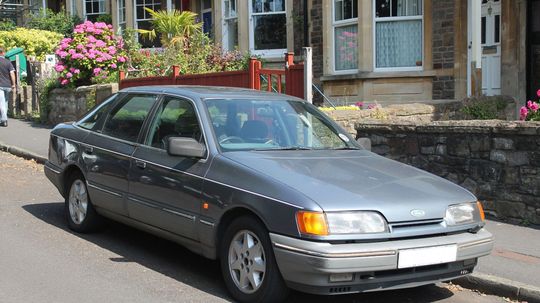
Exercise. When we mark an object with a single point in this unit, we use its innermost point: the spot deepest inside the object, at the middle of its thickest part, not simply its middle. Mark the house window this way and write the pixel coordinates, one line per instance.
(398, 34)
(143, 19)
(345, 30)
(206, 13)
(121, 9)
(94, 8)
(268, 27)
(230, 25)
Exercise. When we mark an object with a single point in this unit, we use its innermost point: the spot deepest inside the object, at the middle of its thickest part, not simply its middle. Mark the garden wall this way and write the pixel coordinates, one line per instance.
(69, 104)
(499, 161)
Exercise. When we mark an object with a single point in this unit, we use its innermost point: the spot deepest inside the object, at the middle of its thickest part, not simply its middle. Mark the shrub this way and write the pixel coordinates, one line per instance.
(530, 112)
(484, 108)
(93, 52)
(34, 42)
(199, 56)
(46, 19)
(7, 25)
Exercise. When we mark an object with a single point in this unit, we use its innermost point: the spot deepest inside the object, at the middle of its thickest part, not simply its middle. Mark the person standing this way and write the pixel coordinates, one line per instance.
(7, 84)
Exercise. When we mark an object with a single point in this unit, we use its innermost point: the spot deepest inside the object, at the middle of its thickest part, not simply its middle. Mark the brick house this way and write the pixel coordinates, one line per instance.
(369, 50)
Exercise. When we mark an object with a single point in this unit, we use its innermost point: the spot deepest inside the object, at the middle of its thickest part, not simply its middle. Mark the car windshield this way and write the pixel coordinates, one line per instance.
(244, 124)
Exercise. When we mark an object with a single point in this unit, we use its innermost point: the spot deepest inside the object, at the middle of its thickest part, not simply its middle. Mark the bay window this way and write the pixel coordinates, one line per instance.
(268, 27)
(230, 25)
(398, 36)
(93, 9)
(143, 18)
(345, 33)
(121, 10)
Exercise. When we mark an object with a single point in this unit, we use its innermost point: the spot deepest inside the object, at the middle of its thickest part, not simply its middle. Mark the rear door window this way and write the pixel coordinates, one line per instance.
(91, 120)
(126, 120)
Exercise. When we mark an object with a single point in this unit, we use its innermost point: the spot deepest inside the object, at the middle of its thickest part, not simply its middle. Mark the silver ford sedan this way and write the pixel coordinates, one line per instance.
(267, 184)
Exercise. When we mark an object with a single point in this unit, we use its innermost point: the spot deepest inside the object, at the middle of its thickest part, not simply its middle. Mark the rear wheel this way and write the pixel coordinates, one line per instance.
(80, 213)
(248, 265)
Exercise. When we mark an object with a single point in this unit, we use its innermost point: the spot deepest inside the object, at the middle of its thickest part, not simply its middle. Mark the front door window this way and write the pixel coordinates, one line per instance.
(176, 118)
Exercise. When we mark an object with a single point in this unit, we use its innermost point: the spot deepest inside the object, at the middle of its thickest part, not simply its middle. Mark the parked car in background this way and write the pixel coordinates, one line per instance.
(267, 184)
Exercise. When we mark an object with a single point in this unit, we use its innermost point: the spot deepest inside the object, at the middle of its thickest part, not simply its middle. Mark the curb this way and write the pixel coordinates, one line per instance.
(500, 287)
(23, 153)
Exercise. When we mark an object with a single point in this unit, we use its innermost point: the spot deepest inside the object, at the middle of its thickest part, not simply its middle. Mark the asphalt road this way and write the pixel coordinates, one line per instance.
(42, 261)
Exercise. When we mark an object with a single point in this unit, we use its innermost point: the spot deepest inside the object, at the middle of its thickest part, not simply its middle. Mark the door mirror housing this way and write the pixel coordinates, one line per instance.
(185, 147)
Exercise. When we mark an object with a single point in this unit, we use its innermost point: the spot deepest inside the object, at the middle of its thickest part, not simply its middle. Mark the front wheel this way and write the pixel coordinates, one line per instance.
(80, 213)
(248, 265)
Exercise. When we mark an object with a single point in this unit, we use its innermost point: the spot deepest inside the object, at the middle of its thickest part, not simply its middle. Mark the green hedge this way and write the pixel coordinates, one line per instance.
(34, 42)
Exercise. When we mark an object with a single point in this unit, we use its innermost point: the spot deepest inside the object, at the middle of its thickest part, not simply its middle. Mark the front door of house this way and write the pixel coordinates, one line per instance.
(491, 47)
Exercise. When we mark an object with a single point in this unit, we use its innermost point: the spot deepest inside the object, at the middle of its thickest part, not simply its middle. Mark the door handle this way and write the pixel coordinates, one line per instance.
(140, 164)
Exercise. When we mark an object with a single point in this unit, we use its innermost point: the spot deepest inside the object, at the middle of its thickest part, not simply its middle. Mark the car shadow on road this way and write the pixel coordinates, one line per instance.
(176, 262)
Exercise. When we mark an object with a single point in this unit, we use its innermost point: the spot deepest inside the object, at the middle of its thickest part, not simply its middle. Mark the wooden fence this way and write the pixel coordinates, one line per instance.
(291, 77)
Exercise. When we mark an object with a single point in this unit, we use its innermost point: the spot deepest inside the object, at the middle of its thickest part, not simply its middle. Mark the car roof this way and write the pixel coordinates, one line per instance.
(210, 92)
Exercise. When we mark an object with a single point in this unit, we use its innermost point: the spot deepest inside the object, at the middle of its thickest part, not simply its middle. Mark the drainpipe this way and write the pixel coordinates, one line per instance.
(306, 36)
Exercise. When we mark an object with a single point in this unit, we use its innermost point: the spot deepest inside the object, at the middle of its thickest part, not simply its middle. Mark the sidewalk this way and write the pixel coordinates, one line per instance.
(512, 269)
(25, 139)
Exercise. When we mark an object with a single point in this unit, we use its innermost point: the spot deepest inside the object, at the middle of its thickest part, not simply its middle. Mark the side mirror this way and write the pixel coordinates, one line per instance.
(185, 147)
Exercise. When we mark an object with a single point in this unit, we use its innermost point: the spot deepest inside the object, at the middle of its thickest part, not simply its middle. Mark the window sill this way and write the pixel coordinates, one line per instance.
(380, 75)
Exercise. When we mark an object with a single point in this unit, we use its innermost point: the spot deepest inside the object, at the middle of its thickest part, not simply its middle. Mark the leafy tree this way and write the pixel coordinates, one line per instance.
(46, 19)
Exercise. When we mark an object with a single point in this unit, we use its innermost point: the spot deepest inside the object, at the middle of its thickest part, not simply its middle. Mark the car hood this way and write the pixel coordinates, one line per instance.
(358, 180)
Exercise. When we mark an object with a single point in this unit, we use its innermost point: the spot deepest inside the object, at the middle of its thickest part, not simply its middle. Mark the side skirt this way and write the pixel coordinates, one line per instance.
(194, 246)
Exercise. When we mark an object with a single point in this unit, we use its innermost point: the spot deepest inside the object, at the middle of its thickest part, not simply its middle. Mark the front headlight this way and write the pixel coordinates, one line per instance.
(335, 223)
(464, 213)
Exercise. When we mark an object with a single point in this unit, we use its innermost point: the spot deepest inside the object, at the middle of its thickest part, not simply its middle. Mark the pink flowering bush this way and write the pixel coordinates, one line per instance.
(93, 53)
(530, 111)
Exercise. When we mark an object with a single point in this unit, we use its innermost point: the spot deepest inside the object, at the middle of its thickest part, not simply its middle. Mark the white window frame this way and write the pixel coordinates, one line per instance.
(86, 14)
(226, 19)
(136, 21)
(265, 53)
(403, 18)
(341, 23)
(119, 10)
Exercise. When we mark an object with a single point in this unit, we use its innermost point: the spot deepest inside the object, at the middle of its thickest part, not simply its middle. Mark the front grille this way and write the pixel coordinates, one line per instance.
(407, 271)
(419, 223)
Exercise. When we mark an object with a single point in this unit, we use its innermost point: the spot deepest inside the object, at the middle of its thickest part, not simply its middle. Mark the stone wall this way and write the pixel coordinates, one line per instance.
(443, 47)
(415, 113)
(499, 161)
(70, 104)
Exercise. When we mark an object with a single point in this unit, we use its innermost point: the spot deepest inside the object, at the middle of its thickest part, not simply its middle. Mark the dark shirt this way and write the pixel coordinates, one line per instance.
(5, 69)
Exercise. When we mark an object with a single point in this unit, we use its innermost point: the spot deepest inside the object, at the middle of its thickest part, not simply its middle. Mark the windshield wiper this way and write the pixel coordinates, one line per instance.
(285, 148)
(347, 148)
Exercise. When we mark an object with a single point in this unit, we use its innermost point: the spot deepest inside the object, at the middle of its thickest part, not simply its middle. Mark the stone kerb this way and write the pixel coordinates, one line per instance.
(499, 161)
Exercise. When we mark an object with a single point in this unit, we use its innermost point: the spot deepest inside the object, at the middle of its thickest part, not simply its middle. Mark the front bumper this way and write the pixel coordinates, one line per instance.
(308, 265)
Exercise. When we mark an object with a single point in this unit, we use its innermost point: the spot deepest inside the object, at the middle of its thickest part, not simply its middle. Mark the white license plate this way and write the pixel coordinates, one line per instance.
(427, 256)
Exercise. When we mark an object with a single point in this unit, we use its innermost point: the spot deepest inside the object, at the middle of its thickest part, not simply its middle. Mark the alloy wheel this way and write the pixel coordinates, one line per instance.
(247, 262)
(78, 202)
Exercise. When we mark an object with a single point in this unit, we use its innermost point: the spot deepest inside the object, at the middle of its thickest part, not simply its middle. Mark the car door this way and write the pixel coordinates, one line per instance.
(164, 190)
(107, 152)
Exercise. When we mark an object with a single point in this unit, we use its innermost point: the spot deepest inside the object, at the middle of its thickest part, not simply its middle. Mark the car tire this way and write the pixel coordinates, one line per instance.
(80, 213)
(248, 264)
